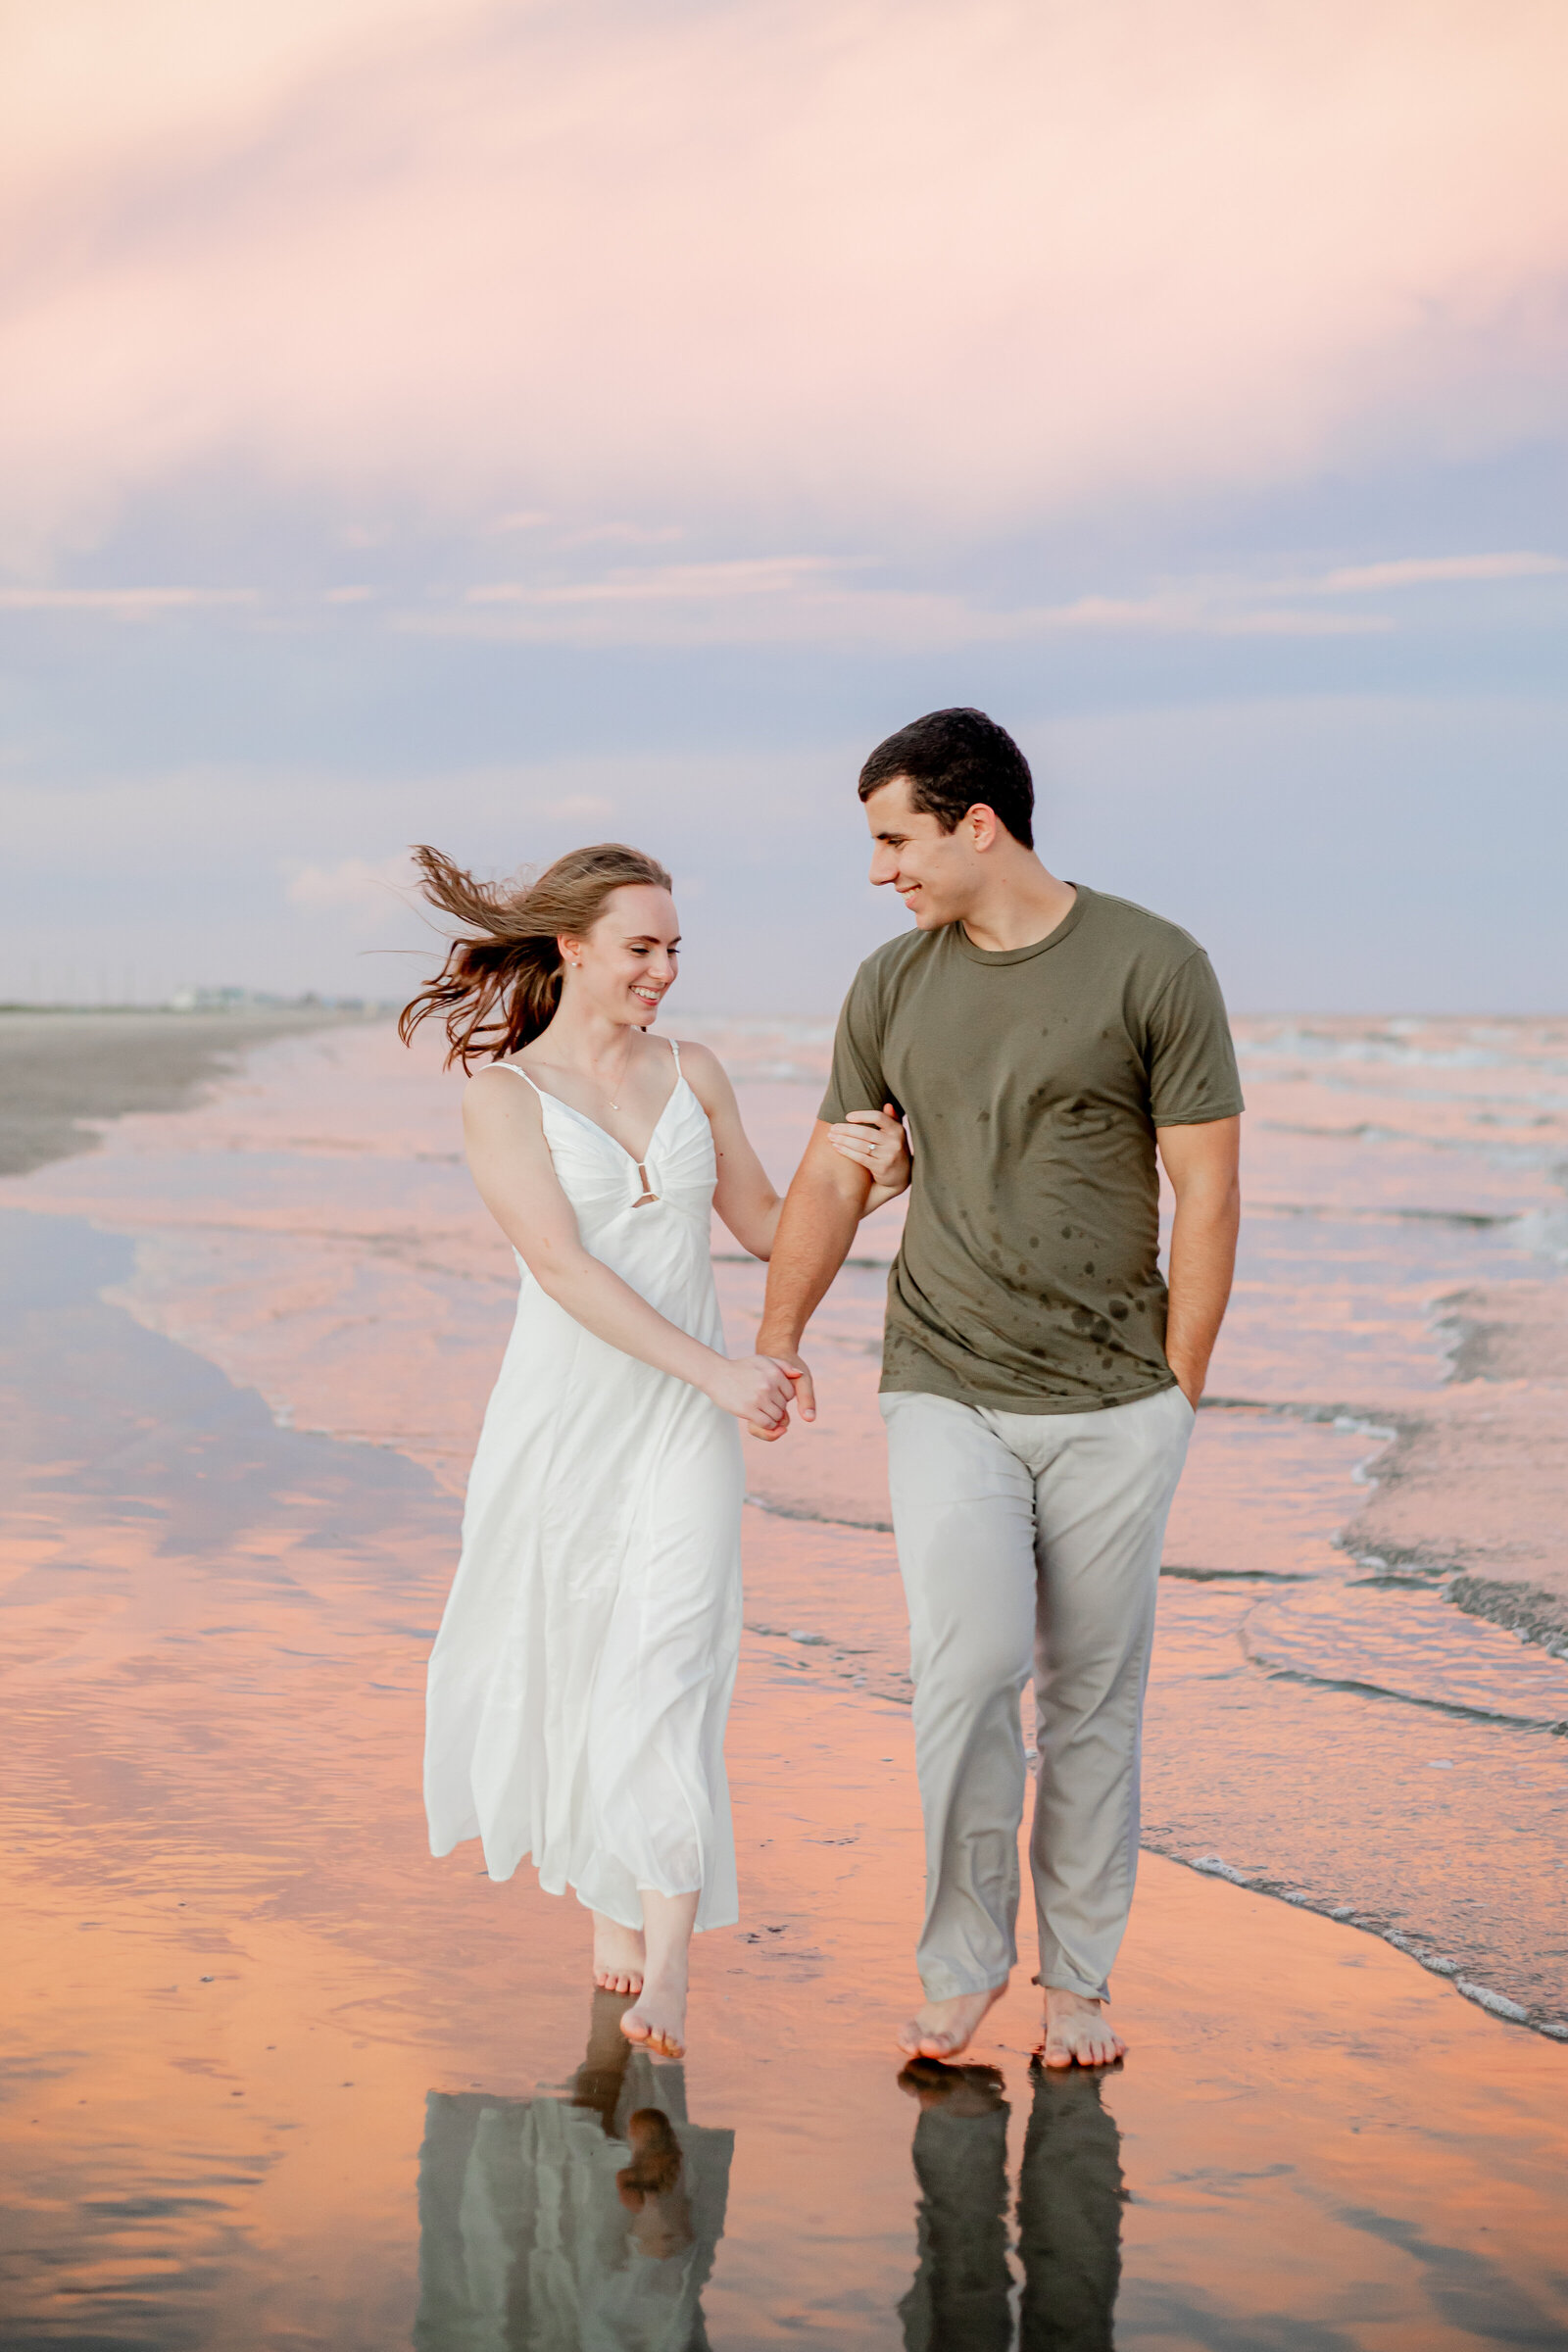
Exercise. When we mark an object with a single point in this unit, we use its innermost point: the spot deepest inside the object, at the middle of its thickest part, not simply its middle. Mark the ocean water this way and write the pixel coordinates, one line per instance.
(1325, 1723)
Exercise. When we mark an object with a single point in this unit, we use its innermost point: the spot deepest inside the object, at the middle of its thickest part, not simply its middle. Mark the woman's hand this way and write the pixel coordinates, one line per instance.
(876, 1139)
(754, 1388)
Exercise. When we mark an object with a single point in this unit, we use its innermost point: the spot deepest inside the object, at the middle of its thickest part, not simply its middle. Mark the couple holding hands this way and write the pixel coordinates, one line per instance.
(1021, 1061)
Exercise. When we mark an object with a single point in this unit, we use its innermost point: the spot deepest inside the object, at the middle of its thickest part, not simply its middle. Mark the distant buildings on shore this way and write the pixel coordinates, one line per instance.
(201, 1000)
(253, 999)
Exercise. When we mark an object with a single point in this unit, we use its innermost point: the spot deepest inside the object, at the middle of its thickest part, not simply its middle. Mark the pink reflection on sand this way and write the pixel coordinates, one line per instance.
(237, 1974)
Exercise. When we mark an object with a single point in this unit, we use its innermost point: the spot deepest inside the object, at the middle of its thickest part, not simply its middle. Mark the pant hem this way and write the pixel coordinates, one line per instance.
(953, 1992)
(1087, 1992)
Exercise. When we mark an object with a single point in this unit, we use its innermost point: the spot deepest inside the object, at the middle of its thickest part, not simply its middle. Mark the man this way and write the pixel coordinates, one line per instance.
(1038, 1385)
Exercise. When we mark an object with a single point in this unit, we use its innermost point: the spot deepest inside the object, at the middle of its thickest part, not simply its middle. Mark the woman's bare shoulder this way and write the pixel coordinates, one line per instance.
(501, 1090)
(702, 1071)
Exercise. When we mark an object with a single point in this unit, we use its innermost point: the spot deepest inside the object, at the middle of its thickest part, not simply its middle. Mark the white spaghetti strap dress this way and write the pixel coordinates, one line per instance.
(581, 1677)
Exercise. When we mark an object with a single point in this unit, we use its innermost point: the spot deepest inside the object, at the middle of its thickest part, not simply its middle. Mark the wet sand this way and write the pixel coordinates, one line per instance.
(62, 1073)
(277, 2078)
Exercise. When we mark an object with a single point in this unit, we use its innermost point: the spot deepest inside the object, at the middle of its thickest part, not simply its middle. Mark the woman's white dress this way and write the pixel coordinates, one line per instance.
(581, 1677)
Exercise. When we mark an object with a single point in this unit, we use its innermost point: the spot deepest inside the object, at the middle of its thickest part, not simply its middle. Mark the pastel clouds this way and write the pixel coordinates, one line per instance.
(813, 601)
(359, 888)
(1427, 571)
(845, 266)
(824, 601)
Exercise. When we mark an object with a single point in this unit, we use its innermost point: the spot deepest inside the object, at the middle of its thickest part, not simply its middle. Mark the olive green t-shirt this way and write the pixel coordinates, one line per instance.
(1033, 1080)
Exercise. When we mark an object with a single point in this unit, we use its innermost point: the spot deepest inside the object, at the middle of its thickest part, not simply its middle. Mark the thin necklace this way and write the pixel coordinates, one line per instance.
(625, 1067)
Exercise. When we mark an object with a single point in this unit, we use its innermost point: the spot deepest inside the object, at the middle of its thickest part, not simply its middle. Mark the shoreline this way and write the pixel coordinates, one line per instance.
(1474, 1486)
(64, 1072)
(1425, 1506)
(251, 2026)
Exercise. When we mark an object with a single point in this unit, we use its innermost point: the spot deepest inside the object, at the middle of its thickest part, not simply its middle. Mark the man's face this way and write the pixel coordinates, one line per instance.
(935, 873)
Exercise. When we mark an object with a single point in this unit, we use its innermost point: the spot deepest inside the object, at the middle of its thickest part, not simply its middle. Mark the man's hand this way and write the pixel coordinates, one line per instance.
(793, 1369)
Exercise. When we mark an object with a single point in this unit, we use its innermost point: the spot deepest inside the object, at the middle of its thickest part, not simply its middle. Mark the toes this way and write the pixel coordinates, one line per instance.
(635, 2028)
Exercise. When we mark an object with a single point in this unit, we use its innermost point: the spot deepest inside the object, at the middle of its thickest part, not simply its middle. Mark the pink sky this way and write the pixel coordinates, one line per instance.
(493, 422)
(884, 266)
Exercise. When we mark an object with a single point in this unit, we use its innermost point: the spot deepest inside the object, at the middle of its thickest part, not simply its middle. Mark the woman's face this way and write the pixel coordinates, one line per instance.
(626, 964)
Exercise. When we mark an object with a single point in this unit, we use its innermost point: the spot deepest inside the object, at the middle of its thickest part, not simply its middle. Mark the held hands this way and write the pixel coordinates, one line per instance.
(756, 1390)
(795, 1371)
(876, 1139)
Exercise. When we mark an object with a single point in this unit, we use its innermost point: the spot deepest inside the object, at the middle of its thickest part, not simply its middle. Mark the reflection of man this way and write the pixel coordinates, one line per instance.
(1069, 2214)
(548, 2225)
(1040, 1040)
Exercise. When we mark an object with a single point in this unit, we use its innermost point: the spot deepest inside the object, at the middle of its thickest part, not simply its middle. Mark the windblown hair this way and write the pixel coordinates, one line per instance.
(499, 986)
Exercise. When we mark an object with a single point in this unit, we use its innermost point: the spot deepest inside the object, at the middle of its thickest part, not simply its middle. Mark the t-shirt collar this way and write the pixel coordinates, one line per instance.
(1036, 947)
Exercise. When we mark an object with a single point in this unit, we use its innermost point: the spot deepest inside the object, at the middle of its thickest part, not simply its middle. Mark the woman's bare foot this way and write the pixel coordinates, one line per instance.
(617, 1956)
(657, 2019)
(1078, 2032)
(942, 2028)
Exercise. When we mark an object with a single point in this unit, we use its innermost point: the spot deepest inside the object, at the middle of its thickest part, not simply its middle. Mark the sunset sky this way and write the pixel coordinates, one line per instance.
(506, 424)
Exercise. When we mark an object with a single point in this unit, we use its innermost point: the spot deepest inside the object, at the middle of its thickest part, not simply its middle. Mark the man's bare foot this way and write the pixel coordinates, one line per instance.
(617, 1956)
(1078, 2032)
(942, 2028)
(657, 2019)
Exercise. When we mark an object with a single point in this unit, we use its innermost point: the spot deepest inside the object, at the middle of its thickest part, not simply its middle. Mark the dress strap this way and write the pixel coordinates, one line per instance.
(675, 1050)
(518, 1072)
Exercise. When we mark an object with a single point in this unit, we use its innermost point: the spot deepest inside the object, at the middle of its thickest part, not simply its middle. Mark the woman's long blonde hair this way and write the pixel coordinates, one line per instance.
(500, 987)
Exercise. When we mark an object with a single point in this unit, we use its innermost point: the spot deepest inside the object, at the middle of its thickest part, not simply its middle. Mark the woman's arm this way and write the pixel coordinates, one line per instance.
(743, 1196)
(504, 1130)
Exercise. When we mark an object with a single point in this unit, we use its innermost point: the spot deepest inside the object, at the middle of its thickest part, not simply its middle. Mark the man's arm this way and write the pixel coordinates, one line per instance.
(1201, 1164)
(822, 1211)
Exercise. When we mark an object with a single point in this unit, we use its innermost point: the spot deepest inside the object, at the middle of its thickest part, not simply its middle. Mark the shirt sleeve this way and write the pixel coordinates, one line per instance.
(858, 1082)
(1191, 1061)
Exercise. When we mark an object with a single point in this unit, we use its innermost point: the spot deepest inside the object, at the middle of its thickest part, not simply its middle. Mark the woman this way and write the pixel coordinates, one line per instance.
(581, 1677)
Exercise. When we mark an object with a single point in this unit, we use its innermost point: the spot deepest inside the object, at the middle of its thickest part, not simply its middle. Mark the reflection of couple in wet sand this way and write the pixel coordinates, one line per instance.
(553, 2223)
(1039, 1042)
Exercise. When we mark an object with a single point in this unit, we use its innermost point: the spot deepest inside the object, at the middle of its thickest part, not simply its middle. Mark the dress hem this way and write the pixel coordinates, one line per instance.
(565, 1885)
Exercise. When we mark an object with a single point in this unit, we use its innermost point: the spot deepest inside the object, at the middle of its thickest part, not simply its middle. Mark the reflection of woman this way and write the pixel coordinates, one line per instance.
(581, 1677)
(586, 2224)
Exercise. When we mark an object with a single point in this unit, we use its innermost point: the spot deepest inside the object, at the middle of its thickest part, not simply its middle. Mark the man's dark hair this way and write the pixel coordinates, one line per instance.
(954, 760)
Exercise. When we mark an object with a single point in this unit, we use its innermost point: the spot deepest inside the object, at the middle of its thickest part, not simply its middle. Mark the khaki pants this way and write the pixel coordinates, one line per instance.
(1030, 1538)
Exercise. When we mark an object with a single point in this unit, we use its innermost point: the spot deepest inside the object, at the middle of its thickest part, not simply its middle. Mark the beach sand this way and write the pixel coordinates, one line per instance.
(246, 2006)
(63, 1072)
